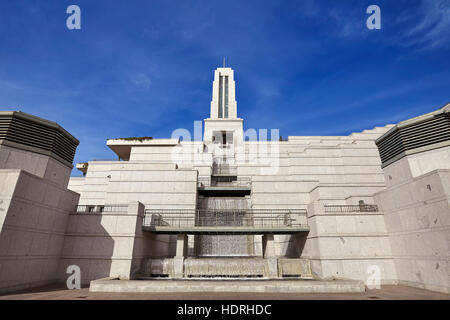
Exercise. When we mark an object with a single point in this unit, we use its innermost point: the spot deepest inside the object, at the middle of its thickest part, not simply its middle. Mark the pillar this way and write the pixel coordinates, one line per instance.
(300, 241)
(142, 242)
(181, 252)
(117, 241)
(268, 244)
(182, 244)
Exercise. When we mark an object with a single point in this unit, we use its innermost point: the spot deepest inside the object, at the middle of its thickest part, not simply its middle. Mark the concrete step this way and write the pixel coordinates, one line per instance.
(225, 285)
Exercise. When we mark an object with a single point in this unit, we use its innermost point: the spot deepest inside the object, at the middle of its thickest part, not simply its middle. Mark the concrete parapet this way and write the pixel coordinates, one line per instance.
(106, 244)
(345, 241)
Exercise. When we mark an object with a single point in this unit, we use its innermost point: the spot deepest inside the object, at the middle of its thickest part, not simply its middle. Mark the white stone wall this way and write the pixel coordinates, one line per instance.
(76, 184)
(40, 165)
(345, 245)
(334, 170)
(107, 244)
(154, 187)
(33, 218)
(417, 215)
(157, 185)
(424, 162)
(416, 165)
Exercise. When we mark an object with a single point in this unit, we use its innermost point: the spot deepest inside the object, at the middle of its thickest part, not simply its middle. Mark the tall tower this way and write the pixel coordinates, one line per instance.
(223, 104)
(223, 121)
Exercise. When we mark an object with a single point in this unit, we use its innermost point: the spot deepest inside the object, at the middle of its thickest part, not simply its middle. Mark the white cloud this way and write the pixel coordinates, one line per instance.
(141, 80)
(432, 28)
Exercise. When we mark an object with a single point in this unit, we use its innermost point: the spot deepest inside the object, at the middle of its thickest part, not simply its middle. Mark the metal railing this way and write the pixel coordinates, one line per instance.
(352, 208)
(224, 180)
(101, 208)
(224, 169)
(204, 181)
(101, 159)
(249, 218)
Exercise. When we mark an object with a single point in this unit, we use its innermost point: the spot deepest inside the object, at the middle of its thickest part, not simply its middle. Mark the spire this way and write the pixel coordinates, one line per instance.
(223, 104)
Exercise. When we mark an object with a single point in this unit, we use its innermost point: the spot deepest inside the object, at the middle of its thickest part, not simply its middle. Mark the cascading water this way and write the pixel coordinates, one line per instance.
(232, 215)
(224, 267)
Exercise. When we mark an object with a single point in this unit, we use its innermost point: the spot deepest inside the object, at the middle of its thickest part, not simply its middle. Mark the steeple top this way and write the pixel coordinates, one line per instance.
(223, 104)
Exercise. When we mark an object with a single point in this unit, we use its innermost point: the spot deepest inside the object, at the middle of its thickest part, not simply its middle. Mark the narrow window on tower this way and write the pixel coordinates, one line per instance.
(226, 96)
(220, 96)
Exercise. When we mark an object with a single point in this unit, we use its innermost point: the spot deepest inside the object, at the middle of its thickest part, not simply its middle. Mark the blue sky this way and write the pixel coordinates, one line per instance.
(145, 68)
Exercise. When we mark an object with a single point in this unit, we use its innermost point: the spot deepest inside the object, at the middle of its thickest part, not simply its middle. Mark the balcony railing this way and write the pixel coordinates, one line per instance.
(224, 220)
(352, 208)
(224, 169)
(101, 208)
(224, 180)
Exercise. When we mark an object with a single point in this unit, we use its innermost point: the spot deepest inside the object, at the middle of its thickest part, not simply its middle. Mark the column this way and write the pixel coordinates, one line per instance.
(181, 252)
(268, 245)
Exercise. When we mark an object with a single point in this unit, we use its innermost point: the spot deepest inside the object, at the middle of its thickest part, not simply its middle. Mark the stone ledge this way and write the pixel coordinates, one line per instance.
(225, 285)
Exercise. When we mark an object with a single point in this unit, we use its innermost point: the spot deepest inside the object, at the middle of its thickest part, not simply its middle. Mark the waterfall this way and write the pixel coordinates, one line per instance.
(224, 245)
(213, 203)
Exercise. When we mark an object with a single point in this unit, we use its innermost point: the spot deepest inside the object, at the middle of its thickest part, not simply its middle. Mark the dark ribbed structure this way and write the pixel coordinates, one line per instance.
(415, 135)
(40, 135)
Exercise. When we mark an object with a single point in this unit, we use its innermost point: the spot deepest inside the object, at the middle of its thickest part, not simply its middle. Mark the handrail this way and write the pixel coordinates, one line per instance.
(263, 211)
(101, 208)
(224, 169)
(352, 208)
(254, 218)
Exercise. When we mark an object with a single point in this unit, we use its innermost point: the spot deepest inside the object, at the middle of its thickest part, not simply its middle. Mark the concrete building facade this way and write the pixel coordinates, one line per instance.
(236, 203)
(35, 166)
(416, 202)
